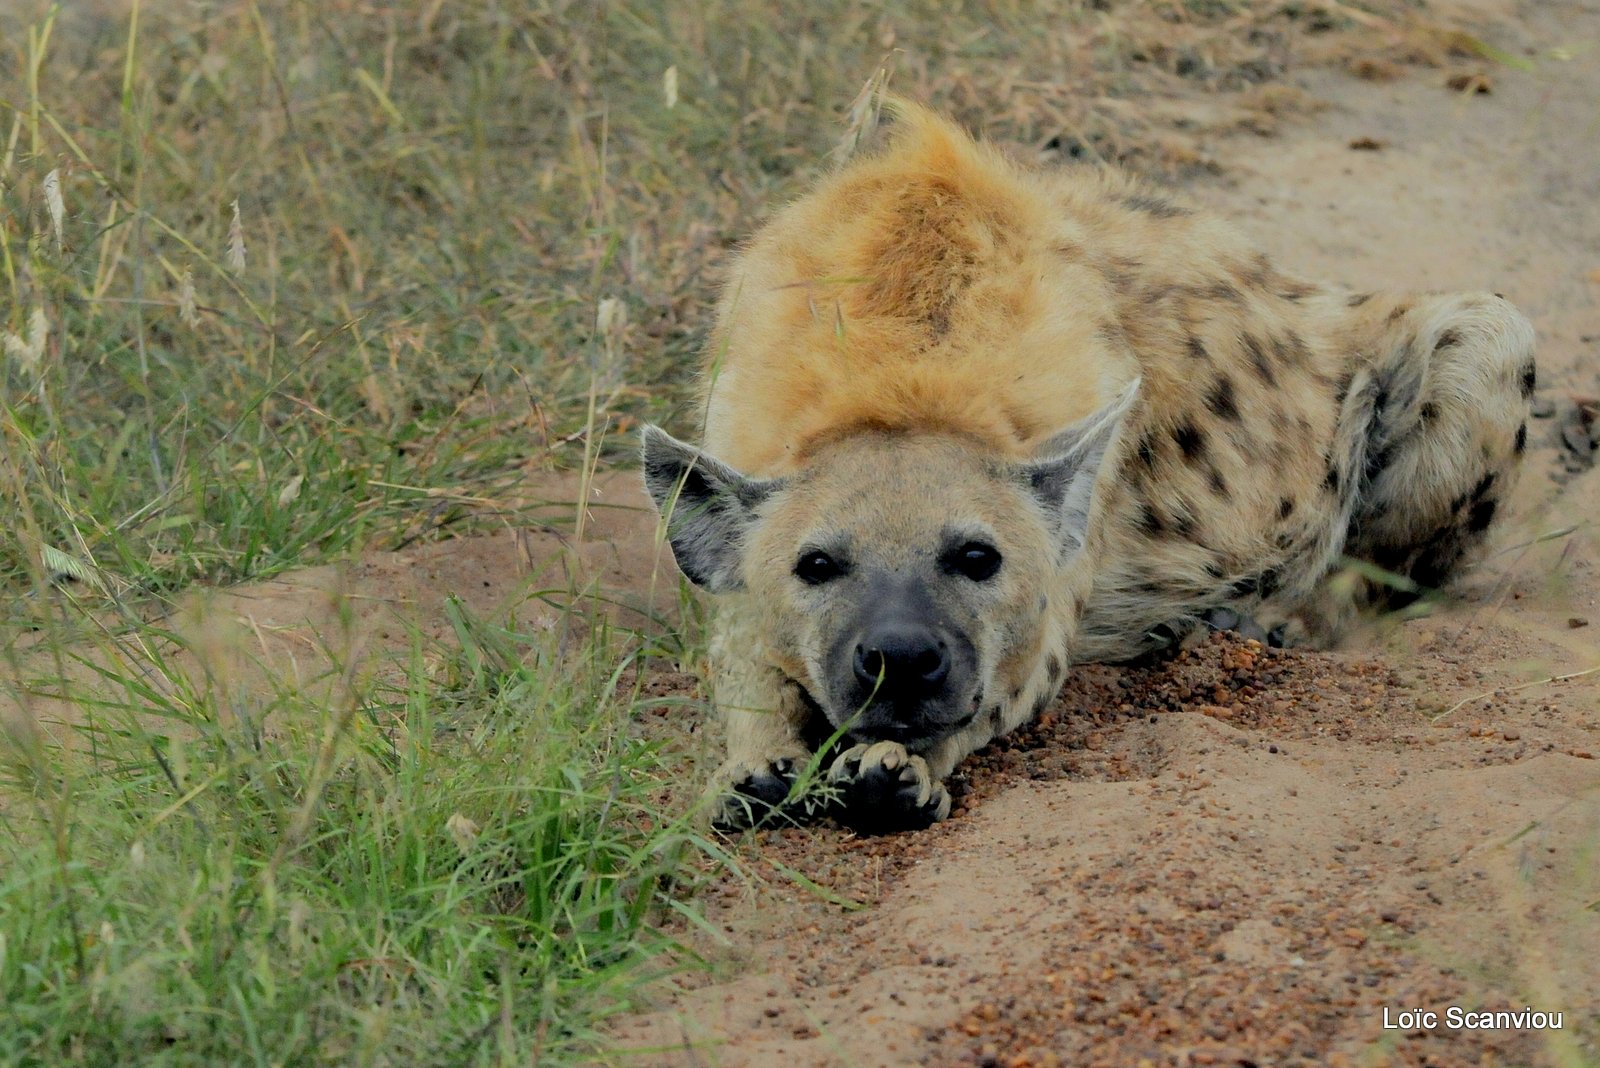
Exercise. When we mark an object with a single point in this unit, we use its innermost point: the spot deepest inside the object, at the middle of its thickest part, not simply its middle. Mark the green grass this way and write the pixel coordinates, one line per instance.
(464, 869)
(282, 281)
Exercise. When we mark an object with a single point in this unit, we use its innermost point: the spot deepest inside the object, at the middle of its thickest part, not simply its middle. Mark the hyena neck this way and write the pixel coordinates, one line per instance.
(1038, 676)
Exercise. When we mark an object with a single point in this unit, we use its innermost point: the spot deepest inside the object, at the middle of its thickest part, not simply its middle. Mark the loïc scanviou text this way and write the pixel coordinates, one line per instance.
(1456, 1018)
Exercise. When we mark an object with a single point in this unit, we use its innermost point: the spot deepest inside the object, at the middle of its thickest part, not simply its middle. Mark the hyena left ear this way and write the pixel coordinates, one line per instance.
(707, 506)
(1069, 466)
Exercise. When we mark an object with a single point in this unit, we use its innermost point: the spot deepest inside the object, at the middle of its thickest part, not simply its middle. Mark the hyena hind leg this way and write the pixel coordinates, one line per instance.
(1454, 376)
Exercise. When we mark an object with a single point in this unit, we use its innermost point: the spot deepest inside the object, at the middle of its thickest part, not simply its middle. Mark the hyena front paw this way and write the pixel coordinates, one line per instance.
(883, 788)
(747, 794)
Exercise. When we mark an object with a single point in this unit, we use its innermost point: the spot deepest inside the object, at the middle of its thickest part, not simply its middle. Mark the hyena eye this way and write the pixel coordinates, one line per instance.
(976, 560)
(815, 568)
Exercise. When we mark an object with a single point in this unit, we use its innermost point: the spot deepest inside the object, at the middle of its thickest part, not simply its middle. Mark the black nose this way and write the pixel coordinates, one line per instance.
(912, 661)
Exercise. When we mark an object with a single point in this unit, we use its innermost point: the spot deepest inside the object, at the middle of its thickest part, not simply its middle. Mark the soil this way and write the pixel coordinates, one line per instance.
(1242, 855)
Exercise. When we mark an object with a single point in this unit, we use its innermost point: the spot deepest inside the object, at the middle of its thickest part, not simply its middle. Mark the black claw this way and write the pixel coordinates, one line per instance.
(1240, 624)
(1277, 636)
(1249, 628)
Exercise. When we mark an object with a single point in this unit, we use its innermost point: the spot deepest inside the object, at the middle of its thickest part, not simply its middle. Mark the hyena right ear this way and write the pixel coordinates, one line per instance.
(1069, 466)
(707, 506)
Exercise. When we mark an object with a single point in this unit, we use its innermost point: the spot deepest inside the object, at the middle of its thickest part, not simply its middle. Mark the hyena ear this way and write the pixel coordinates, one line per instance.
(707, 506)
(1069, 467)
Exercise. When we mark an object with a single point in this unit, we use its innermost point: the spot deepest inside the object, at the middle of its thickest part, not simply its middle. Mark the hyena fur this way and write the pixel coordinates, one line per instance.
(969, 421)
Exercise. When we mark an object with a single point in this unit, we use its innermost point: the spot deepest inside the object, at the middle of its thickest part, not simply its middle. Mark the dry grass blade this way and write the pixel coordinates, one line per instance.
(1512, 689)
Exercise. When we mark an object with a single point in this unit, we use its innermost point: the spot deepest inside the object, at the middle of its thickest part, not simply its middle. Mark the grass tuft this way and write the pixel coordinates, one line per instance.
(463, 865)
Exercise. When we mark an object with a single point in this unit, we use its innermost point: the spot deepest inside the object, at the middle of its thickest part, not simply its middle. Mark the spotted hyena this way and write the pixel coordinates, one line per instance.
(969, 421)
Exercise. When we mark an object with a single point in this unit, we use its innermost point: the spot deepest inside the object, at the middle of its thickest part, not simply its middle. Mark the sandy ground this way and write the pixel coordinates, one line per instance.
(1242, 856)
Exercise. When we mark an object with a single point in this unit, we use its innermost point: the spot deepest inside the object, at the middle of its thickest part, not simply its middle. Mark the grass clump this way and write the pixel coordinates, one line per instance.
(462, 865)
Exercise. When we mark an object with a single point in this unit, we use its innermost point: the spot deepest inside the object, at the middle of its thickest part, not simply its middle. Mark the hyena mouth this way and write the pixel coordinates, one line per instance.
(819, 728)
(917, 735)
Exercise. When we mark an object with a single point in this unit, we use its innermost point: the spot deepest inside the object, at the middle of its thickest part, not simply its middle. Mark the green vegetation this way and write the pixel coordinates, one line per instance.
(280, 281)
(462, 870)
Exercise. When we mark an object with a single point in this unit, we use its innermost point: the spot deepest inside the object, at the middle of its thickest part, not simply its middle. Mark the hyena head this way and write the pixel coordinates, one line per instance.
(896, 576)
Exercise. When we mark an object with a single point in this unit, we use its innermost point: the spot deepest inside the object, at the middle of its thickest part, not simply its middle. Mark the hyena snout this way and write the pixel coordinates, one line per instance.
(902, 662)
(903, 676)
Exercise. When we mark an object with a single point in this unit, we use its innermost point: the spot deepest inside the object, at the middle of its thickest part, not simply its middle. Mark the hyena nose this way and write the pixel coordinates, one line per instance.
(911, 662)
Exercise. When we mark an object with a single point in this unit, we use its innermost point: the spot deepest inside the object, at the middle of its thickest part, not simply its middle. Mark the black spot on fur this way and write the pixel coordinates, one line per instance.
(1123, 271)
(1256, 274)
(1151, 522)
(1398, 312)
(1358, 299)
(1197, 348)
(1342, 391)
(1330, 481)
(1481, 516)
(1429, 411)
(1484, 485)
(1218, 484)
(1520, 443)
(1189, 439)
(1258, 360)
(1016, 694)
(1447, 339)
(1221, 400)
(1042, 703)
(1147, 451)
(1377, 461)
(1224, 291)
(1160, 207)
(1053, 666)
(1295, 350)
(1437, 558)
(1183, 525)
(1286, 508)
(1213, 569)
(1530, 378)
(1264, 585)
(1429, 562)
